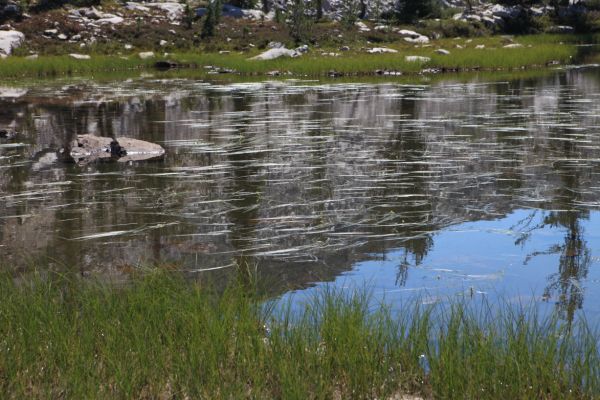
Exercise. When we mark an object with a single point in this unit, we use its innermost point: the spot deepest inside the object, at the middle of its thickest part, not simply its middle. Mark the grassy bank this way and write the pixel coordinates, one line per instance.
(536, 51)
(162, 337)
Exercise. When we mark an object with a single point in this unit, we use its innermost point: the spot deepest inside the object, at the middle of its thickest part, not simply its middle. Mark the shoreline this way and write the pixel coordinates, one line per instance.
(488, 54)
(162, 336)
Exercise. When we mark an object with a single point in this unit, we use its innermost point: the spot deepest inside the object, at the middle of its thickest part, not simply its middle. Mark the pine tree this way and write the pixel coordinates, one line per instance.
(411, 10)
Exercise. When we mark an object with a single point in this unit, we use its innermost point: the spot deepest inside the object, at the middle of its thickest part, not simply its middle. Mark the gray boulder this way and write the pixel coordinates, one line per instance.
(89, 148)
(10, 40)
(272, 54)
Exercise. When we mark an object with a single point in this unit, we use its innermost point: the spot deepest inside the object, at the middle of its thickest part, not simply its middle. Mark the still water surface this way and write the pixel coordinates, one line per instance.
(440, 189)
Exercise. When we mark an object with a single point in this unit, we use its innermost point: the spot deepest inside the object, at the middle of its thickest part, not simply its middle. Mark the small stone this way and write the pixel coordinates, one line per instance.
(80, 56)
(146, 54)
(163, 43)
(417, 59)
(380, 50)
(442, 52)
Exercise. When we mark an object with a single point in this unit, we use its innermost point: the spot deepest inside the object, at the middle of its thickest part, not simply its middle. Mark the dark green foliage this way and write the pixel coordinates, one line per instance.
(299, 22)
(211, 20)
(411, 10)
(350, 12)
(450, 28)
(318, 5)
(249, 4)
(43, 5)
(188, 15)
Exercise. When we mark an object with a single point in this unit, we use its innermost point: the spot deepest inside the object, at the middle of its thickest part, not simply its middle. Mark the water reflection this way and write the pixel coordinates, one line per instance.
(309, 182)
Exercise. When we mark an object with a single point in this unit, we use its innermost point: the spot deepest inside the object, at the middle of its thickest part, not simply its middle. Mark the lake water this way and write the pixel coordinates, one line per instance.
(474, 188)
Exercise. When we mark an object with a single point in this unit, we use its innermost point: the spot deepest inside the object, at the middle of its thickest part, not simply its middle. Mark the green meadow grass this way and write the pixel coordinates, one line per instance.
(537, 51)
(160, 336)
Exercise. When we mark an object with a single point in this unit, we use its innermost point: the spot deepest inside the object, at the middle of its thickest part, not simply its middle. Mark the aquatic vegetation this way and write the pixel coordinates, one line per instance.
(161, 336)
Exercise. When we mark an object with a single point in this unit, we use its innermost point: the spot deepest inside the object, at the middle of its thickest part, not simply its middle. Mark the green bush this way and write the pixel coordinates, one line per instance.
(412, 10)
(454, 28)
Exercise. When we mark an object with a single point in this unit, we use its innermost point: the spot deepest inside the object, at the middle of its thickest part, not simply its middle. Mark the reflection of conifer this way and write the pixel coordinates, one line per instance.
(573, 266)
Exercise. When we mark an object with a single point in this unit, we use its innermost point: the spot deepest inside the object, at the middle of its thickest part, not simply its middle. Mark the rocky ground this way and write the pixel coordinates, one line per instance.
(124, 28)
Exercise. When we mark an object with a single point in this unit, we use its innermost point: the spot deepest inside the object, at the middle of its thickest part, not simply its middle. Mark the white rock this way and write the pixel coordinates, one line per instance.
(128, 47)
(302, 49)
(10, 40)
(480, 46)
(418, 40)
(32, 57)
(442, 52)
(536, 11)
(79, 56)
(561, 29)
(163, 42)
(92, 13)
(413, 37)
(133, 6)
(380, 50)
(272, 54)
(417, 59)
(62, 36)
(258, 15)
(362, 27)
(501, 11)
(513, 46)
(146, 54)
(174, 10)
(110, 20)
(406, 32)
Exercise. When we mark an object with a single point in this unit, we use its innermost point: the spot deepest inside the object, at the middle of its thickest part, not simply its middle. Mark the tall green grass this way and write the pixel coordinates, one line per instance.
(160, 336)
